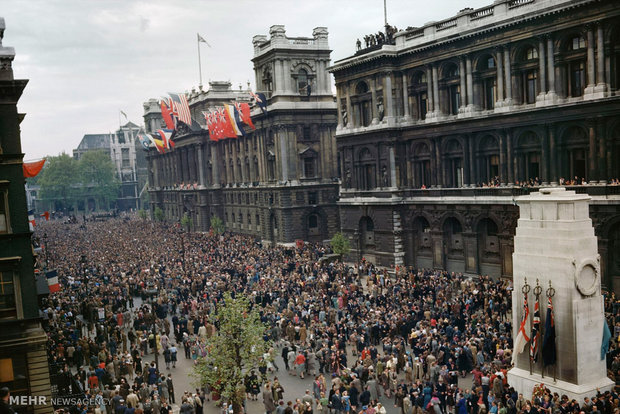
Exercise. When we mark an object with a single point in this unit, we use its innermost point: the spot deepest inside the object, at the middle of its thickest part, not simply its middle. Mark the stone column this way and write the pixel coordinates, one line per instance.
(429, 91)
(278, 84)
(392, 166)
(437, 107)
(508, 75)
(466, 174)
(500, 77)
(286, 75)
(509, 151)
(541, 63)
(590, 61)
(601, 84)
(373, 98)
(550, 68)
(602, 154)
(387, 93)
(470, 83)
(439, 165)
(473, 178)
(553, 172)
(463, 84)
(201, 167)
(592, 169)
(215, 166)
(339, 107)
(502, 158)
(351, 120)
(407, 115)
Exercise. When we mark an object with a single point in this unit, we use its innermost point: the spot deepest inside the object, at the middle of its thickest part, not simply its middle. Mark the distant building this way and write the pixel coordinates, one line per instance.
(279, 182)
(443, 126)
(23, 353)
(126, 154)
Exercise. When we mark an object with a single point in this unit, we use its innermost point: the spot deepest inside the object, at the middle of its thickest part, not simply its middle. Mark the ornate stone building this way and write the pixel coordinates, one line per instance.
(279, 182)
(23, 353)
(519, 91)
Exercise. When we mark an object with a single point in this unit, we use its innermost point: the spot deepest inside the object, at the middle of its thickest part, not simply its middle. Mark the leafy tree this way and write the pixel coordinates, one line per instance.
(143, 214)
(217, 225)
(186, 221)
(340, 244)
(233, 351)
(59, 180)
(158, 214)
(98, 177)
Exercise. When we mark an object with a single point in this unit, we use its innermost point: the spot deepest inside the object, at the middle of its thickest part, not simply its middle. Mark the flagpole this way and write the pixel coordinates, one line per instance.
(199, 64)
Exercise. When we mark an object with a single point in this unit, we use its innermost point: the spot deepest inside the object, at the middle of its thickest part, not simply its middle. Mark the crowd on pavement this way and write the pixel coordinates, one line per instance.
(372, 340)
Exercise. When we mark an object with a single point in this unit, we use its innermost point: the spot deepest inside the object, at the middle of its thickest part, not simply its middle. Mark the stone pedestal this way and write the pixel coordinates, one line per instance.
(555, 242)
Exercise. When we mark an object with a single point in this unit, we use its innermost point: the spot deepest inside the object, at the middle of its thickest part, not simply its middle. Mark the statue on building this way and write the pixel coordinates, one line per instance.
(358, 44)
(384, 176)
(367, 40)
(380, 109)
(347, 178)
(345, 118)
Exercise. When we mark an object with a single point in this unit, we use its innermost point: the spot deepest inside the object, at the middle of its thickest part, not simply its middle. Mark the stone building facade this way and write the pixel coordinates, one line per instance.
(519, 91)
(23, 354)
(279, 182)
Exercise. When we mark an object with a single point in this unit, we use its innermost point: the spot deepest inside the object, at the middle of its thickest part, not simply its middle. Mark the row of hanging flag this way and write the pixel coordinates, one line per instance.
(31, 220)
(227, 121)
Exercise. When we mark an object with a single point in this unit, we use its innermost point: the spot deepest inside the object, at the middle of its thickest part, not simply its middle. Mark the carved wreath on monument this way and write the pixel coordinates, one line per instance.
(587, 276)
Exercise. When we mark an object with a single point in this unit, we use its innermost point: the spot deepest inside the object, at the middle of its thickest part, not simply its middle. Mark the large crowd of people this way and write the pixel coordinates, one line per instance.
(372, 340)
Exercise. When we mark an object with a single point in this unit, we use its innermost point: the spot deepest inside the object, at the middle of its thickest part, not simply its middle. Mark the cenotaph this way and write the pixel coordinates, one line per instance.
(555, 254)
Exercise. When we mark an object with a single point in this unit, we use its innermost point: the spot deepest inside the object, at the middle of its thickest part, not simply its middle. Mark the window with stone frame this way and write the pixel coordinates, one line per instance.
(450, 89)
(526, 68)
(302, 81)
(309, 167)
(313, 197)
(486, 80)
(419, 94)
(573, 66)
(8, 304)
(5, 225)
(361, 104)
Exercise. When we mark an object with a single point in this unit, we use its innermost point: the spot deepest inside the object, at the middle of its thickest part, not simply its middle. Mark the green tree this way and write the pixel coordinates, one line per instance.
(98, 177)
(59, 181)
(186, 221)
(340, 244)
(217, 225)
(158, 214)
(143, 214)
(233, 351)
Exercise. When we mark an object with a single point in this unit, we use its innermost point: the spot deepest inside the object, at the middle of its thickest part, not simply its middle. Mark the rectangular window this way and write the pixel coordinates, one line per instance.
(490, 92)
(8, 307)
(577, 74)
(4, 212)
(423, 105)
(309, 167)
(455, 99)
(313, 197)
(530, 92)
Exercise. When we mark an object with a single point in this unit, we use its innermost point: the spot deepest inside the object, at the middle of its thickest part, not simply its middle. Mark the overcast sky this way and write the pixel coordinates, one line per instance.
(86, 60)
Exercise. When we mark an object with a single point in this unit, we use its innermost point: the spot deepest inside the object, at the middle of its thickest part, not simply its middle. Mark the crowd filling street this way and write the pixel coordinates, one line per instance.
(344, 338)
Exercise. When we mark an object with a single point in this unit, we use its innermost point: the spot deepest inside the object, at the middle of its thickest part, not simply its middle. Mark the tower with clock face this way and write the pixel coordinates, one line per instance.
(556, 255)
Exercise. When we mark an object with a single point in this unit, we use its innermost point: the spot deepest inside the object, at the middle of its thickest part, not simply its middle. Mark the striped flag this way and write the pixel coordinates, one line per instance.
(522, 339)
(166, 137)
(548, 347)
(535, 344)
(52, 281)
(180, 105)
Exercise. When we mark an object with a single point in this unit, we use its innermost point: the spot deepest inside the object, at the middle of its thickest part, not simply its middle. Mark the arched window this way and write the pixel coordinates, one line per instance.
(574, 65)
(302, 81)
(366, 170)
(486, 79)
(362, 104)
(527, 154)
(574, 154)
(450, 89)
(454, 163)
(419, 95)
(488, 159)
(421, 166)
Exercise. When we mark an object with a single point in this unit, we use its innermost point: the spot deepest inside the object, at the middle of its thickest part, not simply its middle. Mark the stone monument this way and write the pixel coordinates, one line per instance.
(555, 243)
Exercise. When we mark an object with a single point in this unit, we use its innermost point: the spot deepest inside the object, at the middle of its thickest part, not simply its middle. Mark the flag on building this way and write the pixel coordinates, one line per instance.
(124, 114)
(606, 338)
(144, 140)
(46, 214)
(52, 281)
(181, 107)
(166, 138)
(31, 222)
(32, 169)
(261, 100)
(202, 40)
(234, 120)
(166, 114)
(159, 144)
(548, 347)
(535, 343)
(227, 130)
(244, 113)
(522, 339)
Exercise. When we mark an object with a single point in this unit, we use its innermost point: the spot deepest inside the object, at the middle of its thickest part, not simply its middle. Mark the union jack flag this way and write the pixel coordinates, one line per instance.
(535, 343)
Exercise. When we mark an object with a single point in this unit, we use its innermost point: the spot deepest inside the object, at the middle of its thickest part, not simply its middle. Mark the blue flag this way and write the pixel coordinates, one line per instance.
(606, 338)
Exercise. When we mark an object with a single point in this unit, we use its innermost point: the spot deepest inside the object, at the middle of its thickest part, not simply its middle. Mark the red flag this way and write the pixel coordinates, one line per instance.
(166, 114)
(32, 169)
(46, 215)
(225, 122)
(244, 112)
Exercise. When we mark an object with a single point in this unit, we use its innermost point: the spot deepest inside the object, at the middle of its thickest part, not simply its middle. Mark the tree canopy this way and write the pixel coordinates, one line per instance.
(340, 244)
(66, 180)
(234, 350)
